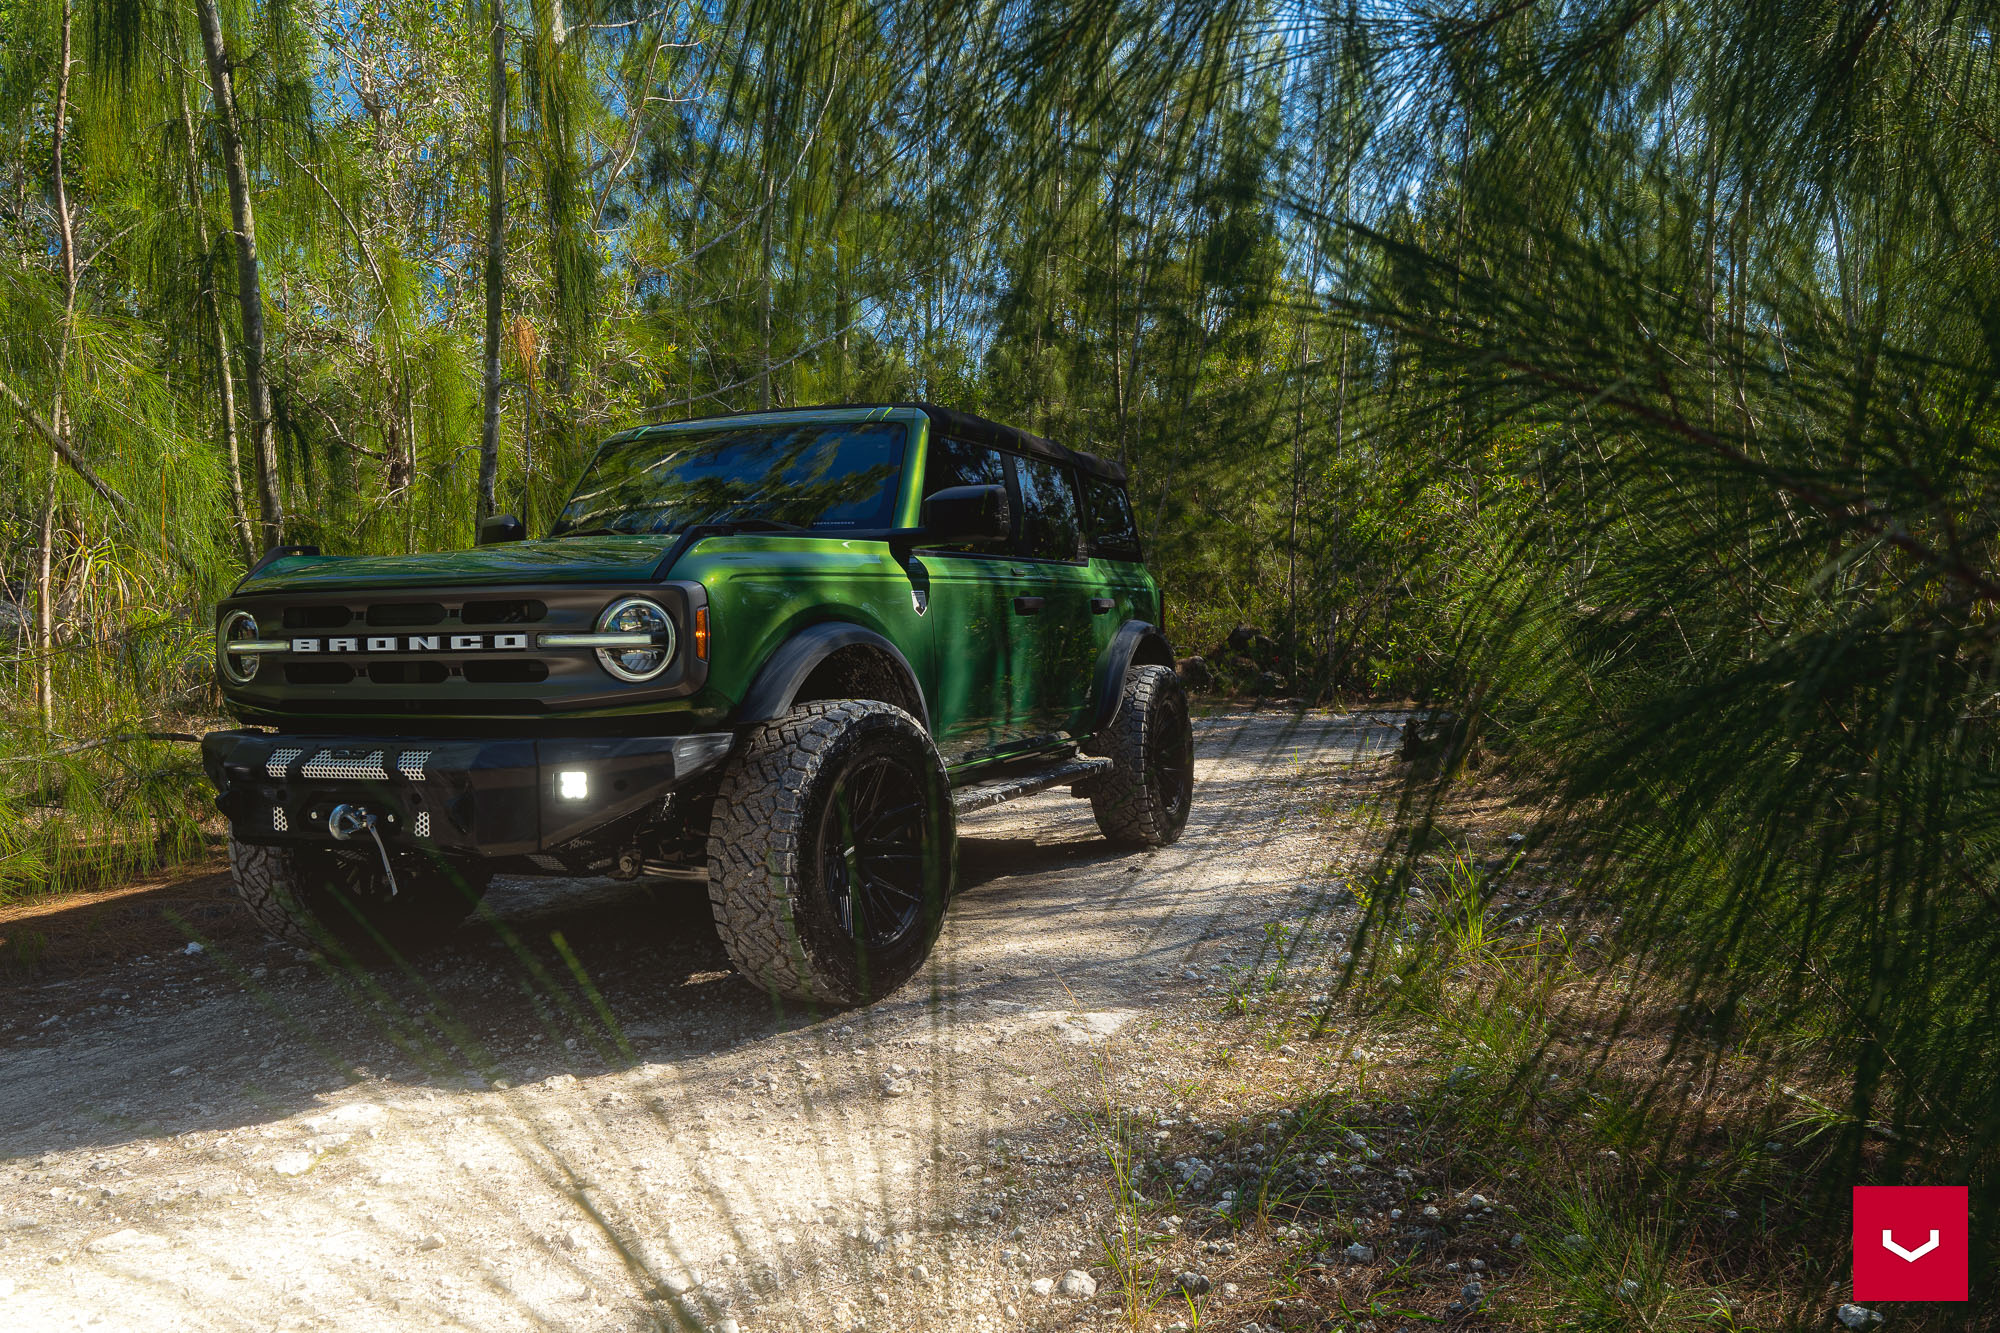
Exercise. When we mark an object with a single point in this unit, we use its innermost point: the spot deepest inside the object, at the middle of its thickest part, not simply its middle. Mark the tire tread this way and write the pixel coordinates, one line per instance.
(1129, 812)
(754, 846)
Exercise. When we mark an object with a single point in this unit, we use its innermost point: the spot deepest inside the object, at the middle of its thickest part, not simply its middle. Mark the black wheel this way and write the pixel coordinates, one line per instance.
(338, 898)
(1143, 800)
(832, 852)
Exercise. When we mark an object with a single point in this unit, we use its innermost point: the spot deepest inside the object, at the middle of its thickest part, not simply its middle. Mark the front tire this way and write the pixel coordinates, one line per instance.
(338, 898)
(832, 851)
(1143, 801)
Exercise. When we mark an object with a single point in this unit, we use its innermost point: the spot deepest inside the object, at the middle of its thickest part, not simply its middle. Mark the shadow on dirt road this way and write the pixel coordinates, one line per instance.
(554, 976)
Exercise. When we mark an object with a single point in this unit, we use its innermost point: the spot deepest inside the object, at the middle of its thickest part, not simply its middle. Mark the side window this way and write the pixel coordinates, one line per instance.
(1113, 532)
(1051, 519)
(956, 463)
(951, 463)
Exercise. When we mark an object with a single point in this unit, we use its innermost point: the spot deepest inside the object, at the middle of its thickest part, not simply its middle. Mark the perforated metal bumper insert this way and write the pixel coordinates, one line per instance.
(346, 766)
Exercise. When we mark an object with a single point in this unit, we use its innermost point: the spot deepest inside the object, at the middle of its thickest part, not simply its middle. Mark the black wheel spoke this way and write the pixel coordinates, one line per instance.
(868, 793)
(882, 885)
(890, 817)
(872, 850)
(894, 909)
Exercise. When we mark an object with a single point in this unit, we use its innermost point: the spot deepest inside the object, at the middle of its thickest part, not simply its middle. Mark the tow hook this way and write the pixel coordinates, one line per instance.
(347, 822)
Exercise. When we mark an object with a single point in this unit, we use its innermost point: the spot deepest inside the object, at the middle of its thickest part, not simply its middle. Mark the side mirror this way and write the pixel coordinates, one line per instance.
(968, 514)
(500, 528)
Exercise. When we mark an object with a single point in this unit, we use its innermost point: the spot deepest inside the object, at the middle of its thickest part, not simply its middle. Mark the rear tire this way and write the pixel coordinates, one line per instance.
(1143, 801)
(832, 851)
(321, 897)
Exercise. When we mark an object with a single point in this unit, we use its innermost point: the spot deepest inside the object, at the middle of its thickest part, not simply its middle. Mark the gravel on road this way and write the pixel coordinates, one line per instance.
(574, 1115)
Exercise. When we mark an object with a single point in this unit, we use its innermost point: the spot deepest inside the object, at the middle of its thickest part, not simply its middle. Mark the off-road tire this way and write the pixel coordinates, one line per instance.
(334, 898)
(1136, 804)
(773, 910)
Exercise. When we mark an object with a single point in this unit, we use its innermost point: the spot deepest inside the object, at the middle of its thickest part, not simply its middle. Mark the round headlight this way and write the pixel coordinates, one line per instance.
(636, 615)
(239, 668)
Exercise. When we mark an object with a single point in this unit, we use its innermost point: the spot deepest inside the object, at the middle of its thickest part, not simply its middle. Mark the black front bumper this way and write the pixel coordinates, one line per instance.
(483, 797)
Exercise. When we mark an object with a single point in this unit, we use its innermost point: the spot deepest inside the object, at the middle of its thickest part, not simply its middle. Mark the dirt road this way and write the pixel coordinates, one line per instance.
(575, 1116)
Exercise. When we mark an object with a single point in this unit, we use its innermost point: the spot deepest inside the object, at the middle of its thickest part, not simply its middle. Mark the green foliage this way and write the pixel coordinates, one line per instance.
(1684, 303)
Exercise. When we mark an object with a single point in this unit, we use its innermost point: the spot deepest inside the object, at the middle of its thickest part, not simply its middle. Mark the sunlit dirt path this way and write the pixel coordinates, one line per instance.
(607, 1129)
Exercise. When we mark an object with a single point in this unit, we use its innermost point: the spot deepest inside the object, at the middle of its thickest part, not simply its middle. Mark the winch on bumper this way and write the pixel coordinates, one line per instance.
(483, 797)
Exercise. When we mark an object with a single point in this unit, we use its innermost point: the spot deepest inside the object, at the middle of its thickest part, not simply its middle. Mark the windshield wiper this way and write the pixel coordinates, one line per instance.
(761, 525)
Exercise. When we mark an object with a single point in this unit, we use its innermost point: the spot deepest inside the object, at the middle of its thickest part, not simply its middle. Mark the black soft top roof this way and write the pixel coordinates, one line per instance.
(960, 426)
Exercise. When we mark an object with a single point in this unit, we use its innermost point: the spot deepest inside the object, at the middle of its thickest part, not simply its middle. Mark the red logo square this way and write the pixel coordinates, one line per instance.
(1911, 1243)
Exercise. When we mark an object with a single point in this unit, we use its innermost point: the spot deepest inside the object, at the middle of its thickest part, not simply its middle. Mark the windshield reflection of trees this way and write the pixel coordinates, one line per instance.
(798, 477)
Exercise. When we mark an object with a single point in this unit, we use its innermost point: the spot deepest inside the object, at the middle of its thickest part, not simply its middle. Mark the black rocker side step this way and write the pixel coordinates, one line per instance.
(979, 795)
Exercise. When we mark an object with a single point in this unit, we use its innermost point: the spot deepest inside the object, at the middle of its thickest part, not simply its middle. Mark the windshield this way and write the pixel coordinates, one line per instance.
(808, 475)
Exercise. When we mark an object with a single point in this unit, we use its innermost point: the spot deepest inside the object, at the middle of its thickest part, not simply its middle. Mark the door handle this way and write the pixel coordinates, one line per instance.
(1101, 605)
(1028, 606)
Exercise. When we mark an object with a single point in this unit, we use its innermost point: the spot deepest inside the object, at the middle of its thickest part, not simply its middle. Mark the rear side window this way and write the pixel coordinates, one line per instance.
(956, 463)
(1113, 532)
(1051, 518)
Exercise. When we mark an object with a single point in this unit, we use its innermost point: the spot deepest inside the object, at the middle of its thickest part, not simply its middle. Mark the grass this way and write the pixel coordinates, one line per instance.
(1603, 1148)
(1125, 1244)
(92, 798)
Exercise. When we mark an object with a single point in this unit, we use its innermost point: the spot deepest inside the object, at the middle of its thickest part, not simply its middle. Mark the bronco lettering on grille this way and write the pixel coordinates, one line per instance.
(415, 643)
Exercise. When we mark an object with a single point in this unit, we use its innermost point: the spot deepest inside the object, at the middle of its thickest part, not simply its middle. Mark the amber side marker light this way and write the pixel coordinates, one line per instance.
(701, 632)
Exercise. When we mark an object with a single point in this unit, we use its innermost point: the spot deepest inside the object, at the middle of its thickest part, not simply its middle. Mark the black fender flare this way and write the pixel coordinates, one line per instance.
(1136, 641)
(784, 671)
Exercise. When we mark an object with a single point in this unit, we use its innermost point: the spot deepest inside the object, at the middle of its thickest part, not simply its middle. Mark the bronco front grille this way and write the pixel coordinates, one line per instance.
(406, 613)
(318, 673)
(437, 649)
(330, 633)
(505, 672)
(408, 673)
(514, 611)
(317, 617)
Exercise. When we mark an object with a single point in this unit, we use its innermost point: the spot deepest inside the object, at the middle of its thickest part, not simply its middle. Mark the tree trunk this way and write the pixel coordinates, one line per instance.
(45, 627)
(249, 290)
(843, 313)
(496, 227)
(239, 512)
(764, 297)
(1298, 471)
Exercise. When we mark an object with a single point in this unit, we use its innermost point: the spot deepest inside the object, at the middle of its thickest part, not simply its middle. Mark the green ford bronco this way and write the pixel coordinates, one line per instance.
(778, 652)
